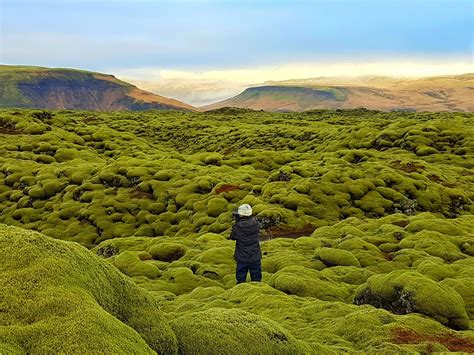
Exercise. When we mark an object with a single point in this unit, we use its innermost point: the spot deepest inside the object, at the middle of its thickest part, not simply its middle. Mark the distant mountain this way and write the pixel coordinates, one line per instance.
(441, 93)
(38, 87)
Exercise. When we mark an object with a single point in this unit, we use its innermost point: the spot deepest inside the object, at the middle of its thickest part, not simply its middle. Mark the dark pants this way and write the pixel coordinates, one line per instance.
(255, 270)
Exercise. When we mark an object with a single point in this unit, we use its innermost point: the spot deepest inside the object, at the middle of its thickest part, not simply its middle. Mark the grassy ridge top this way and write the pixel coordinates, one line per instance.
(33, 73)
(367, 219)
(376, 81)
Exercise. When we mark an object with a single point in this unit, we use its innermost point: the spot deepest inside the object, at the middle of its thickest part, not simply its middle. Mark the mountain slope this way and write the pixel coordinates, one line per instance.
(443, 93)
(37, 87)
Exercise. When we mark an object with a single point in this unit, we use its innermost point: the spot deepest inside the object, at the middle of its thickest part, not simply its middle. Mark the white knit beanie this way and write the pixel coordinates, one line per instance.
(245, 210)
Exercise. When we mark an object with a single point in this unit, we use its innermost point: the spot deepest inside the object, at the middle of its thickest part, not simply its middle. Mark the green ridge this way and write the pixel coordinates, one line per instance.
(39, 87)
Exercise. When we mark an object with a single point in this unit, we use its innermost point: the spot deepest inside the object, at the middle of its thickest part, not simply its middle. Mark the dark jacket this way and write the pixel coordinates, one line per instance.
(246, 234)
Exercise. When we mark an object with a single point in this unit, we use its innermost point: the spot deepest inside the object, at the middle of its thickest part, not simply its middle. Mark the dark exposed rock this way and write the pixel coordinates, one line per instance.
(107, 251)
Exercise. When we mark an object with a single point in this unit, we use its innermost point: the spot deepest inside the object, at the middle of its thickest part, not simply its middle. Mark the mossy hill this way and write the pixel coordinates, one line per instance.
(38, 87)
(58, 297)
(367, 218)
(442, 93)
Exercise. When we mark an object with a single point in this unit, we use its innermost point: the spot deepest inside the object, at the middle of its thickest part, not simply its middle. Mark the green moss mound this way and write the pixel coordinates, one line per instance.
(301, 281)
(336, 257)
(130, 264)
(58, 297)
(405, 292)
(230, 331)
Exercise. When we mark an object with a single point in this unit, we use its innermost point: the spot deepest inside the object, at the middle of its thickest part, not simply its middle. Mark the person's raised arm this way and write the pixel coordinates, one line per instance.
(232, 233)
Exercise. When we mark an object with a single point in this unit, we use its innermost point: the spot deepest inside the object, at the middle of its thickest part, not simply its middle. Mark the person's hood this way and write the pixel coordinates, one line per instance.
(249, 225)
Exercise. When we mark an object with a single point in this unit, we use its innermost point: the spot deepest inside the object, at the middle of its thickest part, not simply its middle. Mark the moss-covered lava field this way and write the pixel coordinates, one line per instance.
(367, 231)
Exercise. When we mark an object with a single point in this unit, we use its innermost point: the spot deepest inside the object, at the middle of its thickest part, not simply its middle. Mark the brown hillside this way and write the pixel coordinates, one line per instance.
(442, 93)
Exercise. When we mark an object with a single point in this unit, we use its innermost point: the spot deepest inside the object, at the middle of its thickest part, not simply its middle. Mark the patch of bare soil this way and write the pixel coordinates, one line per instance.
(227, 188)
(285, 231)
(452, 342)
(137, 193)
(8, 128)
(402, 223)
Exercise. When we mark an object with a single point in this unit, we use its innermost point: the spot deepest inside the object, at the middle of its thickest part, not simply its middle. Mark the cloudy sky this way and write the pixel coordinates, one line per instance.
(242, 41)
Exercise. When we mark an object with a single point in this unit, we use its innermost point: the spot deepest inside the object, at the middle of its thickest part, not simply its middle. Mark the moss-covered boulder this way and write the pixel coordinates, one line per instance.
(210, 237)
(130, 264)
(465, 287)
(403, 292)
(218, 255)
(278, 260)
(304, 282)
(180, 280)
(232, 331)
(336, 257)
(58, 297)
(433, 243)
(216, 206)
(348, 274)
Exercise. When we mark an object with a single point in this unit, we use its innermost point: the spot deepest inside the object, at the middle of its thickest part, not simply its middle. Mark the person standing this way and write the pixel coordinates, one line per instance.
(246, 233)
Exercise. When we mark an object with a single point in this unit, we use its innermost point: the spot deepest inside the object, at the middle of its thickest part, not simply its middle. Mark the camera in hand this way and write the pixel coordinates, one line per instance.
(235, 216)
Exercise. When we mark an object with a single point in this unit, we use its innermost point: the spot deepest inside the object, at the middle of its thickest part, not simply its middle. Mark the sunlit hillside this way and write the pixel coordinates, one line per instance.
(438, 93)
